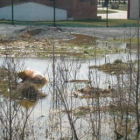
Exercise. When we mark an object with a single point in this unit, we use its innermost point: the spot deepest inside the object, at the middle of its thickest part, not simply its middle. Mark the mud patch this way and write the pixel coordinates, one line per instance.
(91, 92)
(81, 40)
(115, 68)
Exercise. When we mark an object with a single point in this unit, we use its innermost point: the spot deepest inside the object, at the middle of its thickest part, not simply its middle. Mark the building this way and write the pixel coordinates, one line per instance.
(43, 10)
(133, 9)
(79, 9)
(31, 11)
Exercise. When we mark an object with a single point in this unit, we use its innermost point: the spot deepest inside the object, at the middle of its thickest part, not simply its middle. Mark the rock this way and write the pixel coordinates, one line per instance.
(32, 76)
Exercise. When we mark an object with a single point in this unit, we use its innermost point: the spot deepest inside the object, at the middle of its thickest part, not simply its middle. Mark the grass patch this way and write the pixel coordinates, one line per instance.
(79, 81)
(99, 23)
(80, 23)
(123, 7)
(126, 40)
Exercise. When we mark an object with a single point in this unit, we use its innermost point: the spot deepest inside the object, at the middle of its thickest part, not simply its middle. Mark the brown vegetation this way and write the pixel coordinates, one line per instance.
(32, 76)
(91, 92)
(116, 68)
(29, 91)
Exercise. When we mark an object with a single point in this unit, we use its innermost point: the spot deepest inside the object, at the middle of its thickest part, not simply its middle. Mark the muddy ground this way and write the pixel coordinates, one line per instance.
(37, 41)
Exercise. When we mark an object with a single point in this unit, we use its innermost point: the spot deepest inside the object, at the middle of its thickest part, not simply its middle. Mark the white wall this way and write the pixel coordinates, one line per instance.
(134, 9)
(32, 12)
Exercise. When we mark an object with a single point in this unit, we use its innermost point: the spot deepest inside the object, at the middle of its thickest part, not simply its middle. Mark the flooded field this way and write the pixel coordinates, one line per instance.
(66, 71)
(80, 88)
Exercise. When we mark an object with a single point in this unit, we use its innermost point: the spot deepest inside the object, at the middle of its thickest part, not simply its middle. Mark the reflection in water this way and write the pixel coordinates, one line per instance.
(16, 108)
(27, 103)
(56, 109)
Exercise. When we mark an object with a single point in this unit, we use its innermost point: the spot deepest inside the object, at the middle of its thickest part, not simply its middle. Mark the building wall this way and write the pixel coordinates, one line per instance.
(133, 9)
(32, 12)
(85, 10)
(76, 9)
(79, 9)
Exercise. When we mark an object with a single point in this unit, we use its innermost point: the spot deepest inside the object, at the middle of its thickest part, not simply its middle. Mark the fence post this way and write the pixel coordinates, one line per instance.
(54, 23)
(106, 5)
(12, 12)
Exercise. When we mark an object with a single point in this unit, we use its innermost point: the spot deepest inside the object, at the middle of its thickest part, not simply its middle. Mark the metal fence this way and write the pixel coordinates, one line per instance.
(75, 13)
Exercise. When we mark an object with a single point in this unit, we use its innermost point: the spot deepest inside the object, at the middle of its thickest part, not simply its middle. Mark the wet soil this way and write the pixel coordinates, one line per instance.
(38, 41)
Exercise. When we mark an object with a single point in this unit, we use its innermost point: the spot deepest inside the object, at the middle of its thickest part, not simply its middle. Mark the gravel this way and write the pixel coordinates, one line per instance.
(106, 33)
(9, 29)
(13, 32)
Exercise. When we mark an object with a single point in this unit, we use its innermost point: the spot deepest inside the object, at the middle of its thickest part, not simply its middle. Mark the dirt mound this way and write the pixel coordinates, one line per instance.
(41, 32)
(33, 32)
(29, 32)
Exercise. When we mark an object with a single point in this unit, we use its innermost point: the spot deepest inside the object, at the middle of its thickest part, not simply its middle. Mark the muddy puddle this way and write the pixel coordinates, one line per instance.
(79, 46)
